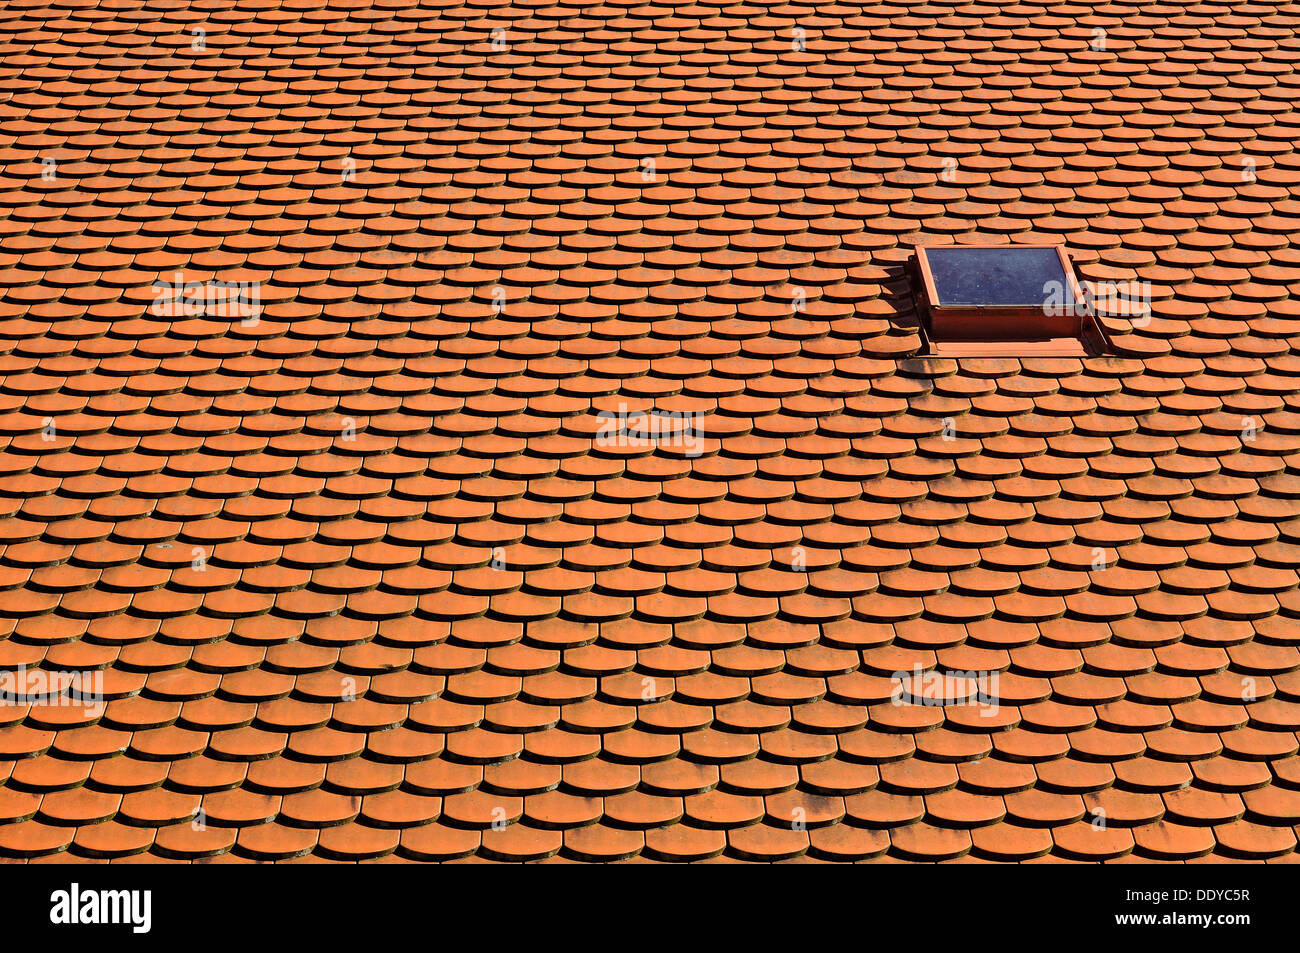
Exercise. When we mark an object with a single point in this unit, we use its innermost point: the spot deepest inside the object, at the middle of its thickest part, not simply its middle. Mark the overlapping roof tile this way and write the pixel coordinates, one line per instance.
(496, 432)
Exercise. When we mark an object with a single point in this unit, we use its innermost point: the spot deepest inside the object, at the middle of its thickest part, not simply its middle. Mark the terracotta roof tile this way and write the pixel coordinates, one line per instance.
(569, 484)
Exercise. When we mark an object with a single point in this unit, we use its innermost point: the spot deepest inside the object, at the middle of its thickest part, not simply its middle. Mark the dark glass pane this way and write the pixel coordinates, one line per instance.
(997, 276)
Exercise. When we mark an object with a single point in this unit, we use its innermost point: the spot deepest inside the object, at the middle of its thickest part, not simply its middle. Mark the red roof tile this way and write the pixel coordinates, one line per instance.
(568, 486)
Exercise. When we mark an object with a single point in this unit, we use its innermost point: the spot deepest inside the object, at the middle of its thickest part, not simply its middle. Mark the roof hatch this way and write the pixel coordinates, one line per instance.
(1004, 301)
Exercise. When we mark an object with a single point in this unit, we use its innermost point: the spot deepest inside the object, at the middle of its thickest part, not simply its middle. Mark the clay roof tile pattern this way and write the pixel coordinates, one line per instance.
(449, 433)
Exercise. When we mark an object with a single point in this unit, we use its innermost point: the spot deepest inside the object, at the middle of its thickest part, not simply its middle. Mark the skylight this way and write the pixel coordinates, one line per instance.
(1006, 300)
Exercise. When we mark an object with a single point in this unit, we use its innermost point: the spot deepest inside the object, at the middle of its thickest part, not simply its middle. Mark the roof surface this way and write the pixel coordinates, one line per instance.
(387, 561)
